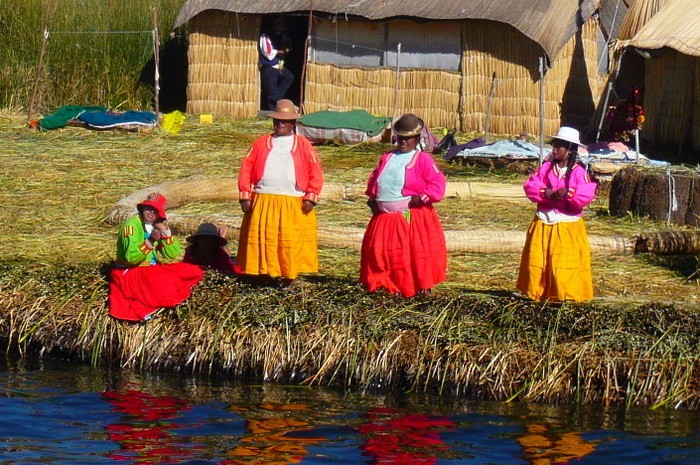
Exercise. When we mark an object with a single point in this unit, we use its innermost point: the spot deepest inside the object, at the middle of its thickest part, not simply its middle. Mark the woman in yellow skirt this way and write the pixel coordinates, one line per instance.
(556, 260)
(279, 184)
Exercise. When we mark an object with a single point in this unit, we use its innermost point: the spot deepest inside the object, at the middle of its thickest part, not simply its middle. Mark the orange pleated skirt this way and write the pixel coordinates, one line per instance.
(556, 263)
(403, 255)
(278, 239)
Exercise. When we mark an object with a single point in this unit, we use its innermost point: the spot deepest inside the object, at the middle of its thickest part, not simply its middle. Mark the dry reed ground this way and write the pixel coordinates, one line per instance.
(57, 187)
(637, 343)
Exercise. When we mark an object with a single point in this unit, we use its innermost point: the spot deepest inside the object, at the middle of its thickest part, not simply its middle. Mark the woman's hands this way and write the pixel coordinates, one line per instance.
(415, 202)
(159, 231)
(246, 205)
(372, 204)
(307, 206)
(555, 195)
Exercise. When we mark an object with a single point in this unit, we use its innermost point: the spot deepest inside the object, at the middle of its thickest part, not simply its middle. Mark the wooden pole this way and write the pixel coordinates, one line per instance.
(541, 109)
(156, 56)
(605, 111)
(304, 69)
(40, 63)
(396, 83)
(492, 92)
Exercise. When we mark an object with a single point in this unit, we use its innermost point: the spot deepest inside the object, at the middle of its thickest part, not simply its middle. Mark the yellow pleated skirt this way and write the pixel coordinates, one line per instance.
(556, 263)
(278, 239)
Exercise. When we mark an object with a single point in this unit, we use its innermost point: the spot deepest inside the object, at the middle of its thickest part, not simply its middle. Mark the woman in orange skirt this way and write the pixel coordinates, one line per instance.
(556, 260)
(279, 184)
(403, 248)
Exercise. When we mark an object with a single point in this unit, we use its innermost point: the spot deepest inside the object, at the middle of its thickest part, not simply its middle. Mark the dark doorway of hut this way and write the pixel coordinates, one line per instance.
(297, 27)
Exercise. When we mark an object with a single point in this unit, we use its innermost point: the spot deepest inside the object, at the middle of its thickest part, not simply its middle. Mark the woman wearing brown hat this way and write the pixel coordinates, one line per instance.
(140, 283)
(403, 249)
(279, 184)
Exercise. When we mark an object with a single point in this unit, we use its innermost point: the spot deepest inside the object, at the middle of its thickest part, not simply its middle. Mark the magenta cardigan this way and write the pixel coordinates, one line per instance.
(423, 178)
(581, 189)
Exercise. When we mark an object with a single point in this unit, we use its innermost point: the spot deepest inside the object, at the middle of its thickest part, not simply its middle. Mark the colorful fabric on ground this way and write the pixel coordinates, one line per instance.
(404, 257)
(277, 238)
(556, 263)
(60, 117)
(108, 119)
(354, 119)
(135, 293)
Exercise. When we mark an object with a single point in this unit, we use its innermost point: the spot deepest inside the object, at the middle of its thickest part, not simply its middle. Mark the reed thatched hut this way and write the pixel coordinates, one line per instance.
(471, 65)
(670, 43)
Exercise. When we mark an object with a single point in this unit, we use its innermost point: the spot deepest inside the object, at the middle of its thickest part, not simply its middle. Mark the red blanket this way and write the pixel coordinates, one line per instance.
(135, 293)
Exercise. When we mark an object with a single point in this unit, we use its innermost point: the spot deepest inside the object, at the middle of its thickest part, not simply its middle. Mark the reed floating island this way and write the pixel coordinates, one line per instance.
(638, 343)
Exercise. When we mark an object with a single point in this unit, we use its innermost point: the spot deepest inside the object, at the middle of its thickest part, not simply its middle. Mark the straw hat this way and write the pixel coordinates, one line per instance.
(157, 201)
(285, 109)
(207, 230)
(568, 134)
(408, 125)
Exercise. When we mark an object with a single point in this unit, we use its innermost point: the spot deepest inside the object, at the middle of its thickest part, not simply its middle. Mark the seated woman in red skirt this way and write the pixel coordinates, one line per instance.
(139, 284)
(403, 249)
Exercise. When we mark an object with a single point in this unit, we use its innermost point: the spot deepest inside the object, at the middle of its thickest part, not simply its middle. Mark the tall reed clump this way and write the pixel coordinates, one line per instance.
(95, 51)
(331, 332)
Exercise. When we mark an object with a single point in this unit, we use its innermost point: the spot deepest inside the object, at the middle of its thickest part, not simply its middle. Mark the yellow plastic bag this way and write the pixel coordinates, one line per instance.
(172, 122)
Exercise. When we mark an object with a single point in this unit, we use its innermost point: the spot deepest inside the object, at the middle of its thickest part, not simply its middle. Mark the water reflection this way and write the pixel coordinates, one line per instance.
(73, 415)
(145, 431)
(543, 447)
(393, 437)
(275, 434)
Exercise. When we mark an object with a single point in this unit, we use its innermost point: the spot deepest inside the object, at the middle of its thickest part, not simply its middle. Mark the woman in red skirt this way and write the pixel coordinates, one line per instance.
(403, 249)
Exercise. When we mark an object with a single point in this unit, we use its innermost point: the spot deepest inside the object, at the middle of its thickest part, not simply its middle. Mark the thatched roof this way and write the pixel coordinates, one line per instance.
(639, 13)
(676, 25)
(550, 23)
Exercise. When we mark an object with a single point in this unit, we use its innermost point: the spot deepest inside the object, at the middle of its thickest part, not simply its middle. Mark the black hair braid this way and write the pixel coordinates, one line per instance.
(571, 163)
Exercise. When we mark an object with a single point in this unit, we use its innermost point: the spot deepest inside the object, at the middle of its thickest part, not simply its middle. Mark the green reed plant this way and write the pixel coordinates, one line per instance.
(96, 51)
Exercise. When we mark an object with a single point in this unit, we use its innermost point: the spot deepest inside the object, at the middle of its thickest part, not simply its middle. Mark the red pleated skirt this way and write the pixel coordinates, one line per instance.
(404, 256)
(135, 293)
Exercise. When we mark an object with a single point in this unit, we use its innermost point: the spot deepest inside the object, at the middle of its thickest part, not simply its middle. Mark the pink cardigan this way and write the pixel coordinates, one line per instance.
(581, 189)
(423, 178)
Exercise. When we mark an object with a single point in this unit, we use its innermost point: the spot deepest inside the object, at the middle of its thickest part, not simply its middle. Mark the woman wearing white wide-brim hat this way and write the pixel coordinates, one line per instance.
(556, 260)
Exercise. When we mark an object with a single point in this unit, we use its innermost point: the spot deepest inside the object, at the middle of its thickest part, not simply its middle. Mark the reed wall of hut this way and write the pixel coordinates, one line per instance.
(448, 84)
(571, 90)
(672, 100)
(223, 64)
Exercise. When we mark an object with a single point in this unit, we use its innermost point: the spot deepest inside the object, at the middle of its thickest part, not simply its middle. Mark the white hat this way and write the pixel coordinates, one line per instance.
(569, 135)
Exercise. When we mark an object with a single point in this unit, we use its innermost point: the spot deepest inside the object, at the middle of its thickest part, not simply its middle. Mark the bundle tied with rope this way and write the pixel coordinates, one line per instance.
(668, 195)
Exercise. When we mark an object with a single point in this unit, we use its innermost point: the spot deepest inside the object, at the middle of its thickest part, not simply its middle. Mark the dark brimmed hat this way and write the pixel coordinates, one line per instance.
(408, 125)
(157, 201)
(285, 109)
(207, 230)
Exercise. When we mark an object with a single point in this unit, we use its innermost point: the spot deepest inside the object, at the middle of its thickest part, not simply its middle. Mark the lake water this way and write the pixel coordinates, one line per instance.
(62, 413)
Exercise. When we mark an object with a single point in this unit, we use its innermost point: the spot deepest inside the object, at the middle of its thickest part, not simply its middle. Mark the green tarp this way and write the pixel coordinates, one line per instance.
(60, 117)
(354, 119)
